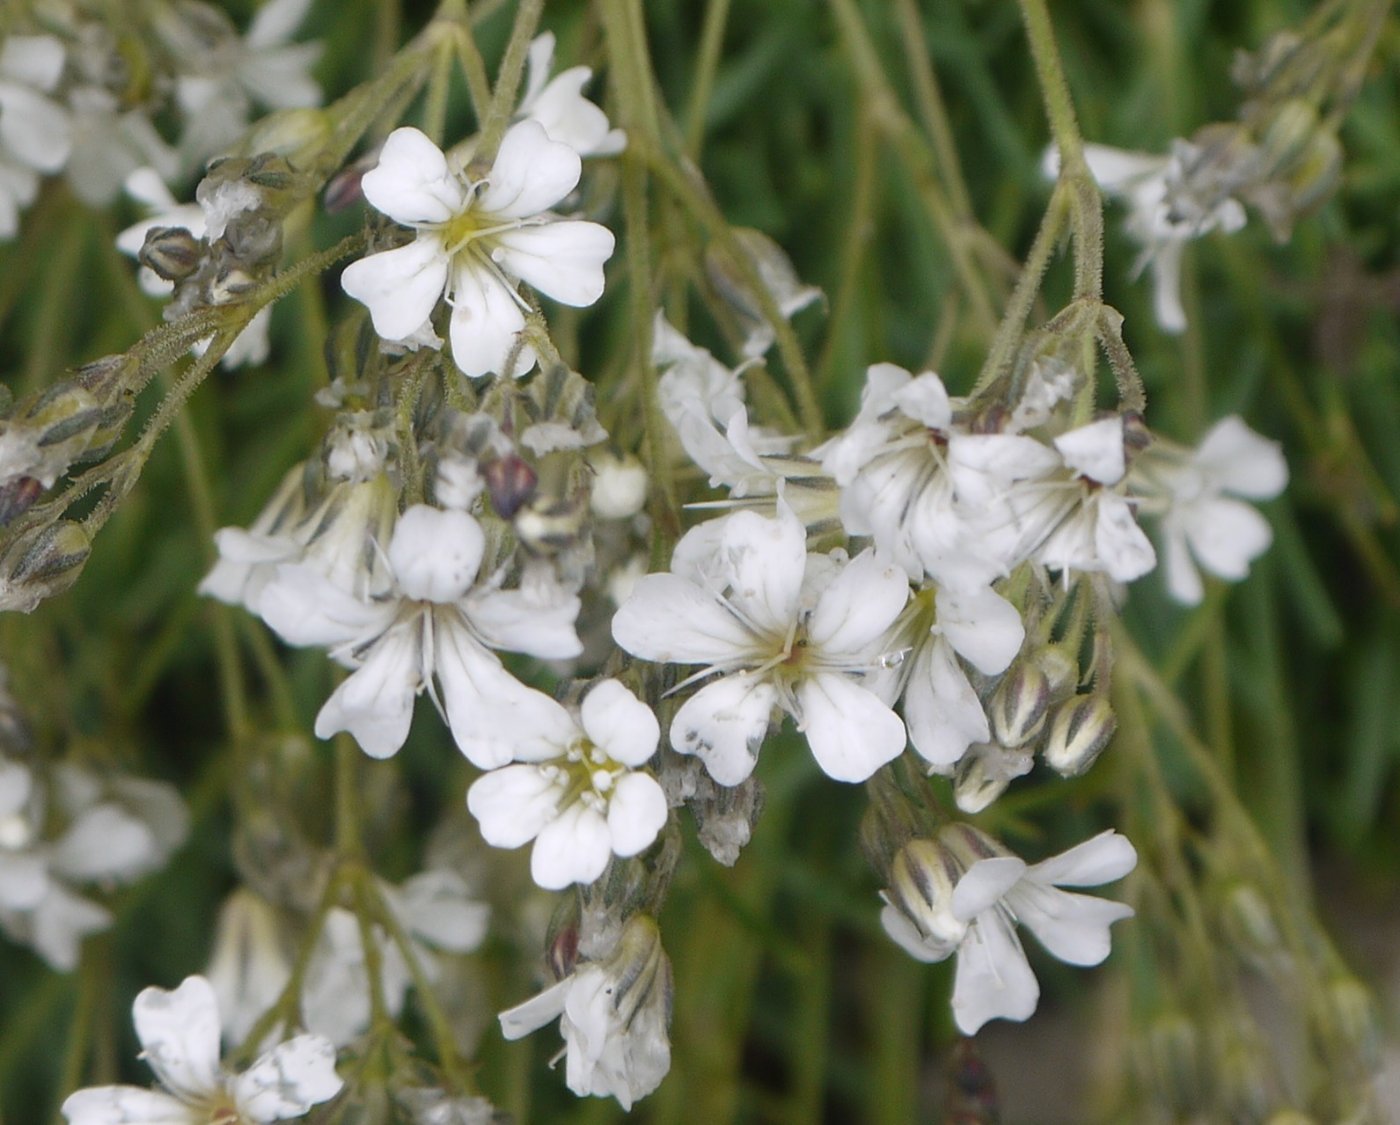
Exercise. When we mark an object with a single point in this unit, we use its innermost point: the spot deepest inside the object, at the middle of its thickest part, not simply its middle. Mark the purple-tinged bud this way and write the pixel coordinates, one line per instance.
(510, 482)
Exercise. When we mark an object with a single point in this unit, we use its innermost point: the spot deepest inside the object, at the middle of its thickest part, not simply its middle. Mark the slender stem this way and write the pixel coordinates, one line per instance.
(711, 43)
(859, 230)
(527, 18)
(1086, 205)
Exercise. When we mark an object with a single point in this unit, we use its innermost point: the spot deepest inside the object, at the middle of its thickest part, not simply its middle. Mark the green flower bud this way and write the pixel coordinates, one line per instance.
(1019, 704)
(40, 563)
(1081, 731)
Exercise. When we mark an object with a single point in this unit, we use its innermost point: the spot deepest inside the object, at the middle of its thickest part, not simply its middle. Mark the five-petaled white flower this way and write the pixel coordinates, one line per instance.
(613, 1015)
(964, 893)
(179, 1033)
(433, 622)
(559, 105)
(475, 240)
(575, 789)
(36, 134)
(1193, 492)
(784, 628)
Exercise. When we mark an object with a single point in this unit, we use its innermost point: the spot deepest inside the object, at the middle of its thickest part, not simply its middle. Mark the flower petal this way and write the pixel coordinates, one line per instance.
(531, 173)
(534, 1013)
(636, 813)
(437, 906)
(563, 260)
(671, 620)
(1226, 536)
(412, 183)
(859, 606)
(982, 626)
(288, 1080)
(619, 723)
(943, 711)
(993, 980)
(1241, 461)
(574, 847)
(1124, 551)
(724, 724)
(305, 608)
(765, 560)
(1073, 928)
(1100, 859)
(179, 1033)
(520, 621)
(851, 731)
(983, 884)
(512, 804)
(486, 321)
(400, 287)
(124, 1105)
(435, 553)
(104, 842)
(375, 703)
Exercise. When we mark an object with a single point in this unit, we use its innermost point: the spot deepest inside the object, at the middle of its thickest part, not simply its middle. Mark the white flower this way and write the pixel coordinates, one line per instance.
(109, 143)
(1169, 203)
(1192, 492)
(433, 623)
(576, 792)
(782, 628)
(179, 1033)
(965, 893)
(475, 240)
(35, 132)
(613, 1015)
(559, 105)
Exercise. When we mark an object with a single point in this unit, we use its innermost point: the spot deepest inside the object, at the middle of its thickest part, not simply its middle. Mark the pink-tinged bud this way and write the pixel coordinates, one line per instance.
(1082, 729)
(16, 496)
(510, 482)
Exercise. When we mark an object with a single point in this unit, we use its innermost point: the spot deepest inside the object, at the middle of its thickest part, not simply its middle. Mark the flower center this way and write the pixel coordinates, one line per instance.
(463, 228)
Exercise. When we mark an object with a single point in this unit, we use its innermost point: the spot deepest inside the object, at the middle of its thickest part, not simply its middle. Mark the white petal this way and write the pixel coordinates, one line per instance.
(1124, 552)
(179, 1032)
(925, 399)
(375, 703)
(858, 608)
(1096, 450)
(288, 1080)
(33, 60)
(672, 620)
(412, 184)
(16, 786)
(851, 731)
(993, 979)
(982, 626)
(400, 287)
(1074, 928)
(104, 842)
(636, 813)
(563, 260)
(275, 22)
(904, 934)
(569, 117)
(1226, 536)
(59, 924)
(279, 79)
(1116, 169)
(486, 319)
(619, 723)
(1166, 287)
(983, 884)
(437, 906)
(34, 129)
(435, 553)
(765, 560)
(539, 61)
(724, 724)
(306, 608)
(493, 716)
(945, 716)
(126, 1105)
(1241, 461)
(1183, 579)
(1101, 859)
(572, 848)
(519, 621)
(534, 1013)
(24, 880)
(530, 175)
(512, 804)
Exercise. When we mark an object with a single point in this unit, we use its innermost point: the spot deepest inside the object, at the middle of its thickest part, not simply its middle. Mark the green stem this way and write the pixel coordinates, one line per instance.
(527, 18)
(707, 61)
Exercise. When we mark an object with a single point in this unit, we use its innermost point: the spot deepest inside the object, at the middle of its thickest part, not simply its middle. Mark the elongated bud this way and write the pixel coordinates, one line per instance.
(1347, 1019)
(41, 563)
(1251, 929)
(561, 939)
(1019, 704)
(984, 772)
(922, 878)
(1060, 668)
(1173, 1065)
(1082, 729)
(510, 482)
(171, 252)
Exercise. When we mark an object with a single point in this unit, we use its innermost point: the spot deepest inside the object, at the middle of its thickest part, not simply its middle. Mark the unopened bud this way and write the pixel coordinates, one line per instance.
(171, 252)
(1348, 1020)
(1060, 668)
(1082, 729)
(1250, 926)
(510, 482)
(922, 878)
(16, 497)
(1173, 1065)
(547, 528)
(41, 563)
(1019, 704)
(1286, 136)
(984, 772)
(298, 135)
